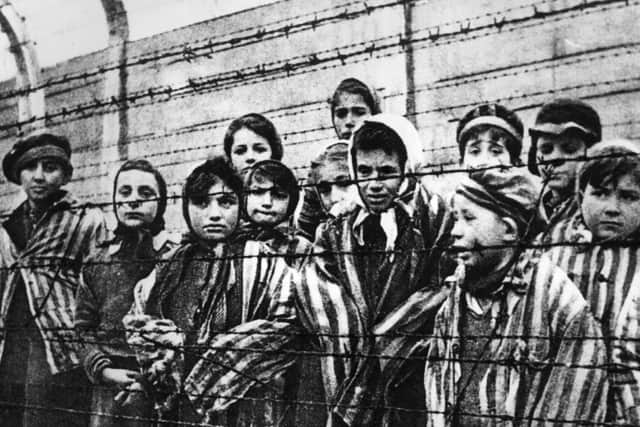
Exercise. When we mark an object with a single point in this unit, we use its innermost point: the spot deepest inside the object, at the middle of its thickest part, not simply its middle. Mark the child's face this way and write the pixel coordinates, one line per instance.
(349, 114)
(214, 216)
(476, 233)
(266, 203)
(136, 198)
(41, 179)
(379, 178)
(611, 211)
(333, 184)
(560, 175)
(486, 148)
(248, 148)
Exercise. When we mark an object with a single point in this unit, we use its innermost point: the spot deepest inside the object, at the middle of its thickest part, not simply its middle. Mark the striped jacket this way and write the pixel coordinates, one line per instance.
(335, 304)
(604, 275)
(556, 219)
(49, 266)
(626, 355)
(222, 300)
(546, 370)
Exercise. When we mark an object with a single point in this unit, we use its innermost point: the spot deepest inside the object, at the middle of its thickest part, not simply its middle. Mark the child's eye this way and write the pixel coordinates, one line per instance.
(570, 147)
(147, 193)
(545, 149)
(341, 113)
(364, 170)
(359, 111)
(124, 191)
(388, 171)
(280, 195)
(259, 148)
(241, 149)
(227, 201)
(200, 201)
(630, 196)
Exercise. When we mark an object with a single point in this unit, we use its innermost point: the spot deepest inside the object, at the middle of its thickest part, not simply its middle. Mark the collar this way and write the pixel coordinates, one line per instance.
(513, 287)
(388, 224)
(159, 242)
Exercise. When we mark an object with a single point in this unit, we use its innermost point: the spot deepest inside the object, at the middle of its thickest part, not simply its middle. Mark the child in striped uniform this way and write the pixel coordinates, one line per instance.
(51, 235)
(564, 129)
(509, 345)
(271, 196)
(211, 288)
(602, 251)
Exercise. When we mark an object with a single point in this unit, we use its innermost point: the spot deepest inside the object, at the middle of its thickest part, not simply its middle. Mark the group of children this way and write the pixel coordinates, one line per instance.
(509, 301)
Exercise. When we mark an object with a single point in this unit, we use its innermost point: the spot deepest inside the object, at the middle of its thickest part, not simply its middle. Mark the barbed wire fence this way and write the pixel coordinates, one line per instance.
(512, 20)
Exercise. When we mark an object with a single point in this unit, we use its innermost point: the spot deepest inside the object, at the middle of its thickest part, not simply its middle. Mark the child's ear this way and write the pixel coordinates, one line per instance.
(511, 229)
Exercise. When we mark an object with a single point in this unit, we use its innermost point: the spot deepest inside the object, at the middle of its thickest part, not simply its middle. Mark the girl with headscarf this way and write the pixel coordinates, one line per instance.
(105, 294)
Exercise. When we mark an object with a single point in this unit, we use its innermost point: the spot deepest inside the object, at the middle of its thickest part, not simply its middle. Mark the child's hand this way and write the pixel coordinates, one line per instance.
(119, 377)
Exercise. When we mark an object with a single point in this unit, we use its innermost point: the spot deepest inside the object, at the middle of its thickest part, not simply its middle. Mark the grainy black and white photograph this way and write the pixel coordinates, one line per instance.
(328, 213)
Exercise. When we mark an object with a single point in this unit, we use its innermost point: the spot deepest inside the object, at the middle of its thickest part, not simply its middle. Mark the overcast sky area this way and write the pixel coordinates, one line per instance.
(64, 29)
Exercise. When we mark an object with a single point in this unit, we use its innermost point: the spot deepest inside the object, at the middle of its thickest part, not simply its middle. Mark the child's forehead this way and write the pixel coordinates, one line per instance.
(218, 187)
(494, 133)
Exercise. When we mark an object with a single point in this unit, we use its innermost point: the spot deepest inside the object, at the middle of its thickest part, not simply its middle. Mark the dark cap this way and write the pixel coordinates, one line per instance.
(564, 115)
(34, 147)
(492, 115)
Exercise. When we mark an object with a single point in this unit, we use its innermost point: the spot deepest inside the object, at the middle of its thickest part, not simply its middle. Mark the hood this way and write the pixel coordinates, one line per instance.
(408, 135)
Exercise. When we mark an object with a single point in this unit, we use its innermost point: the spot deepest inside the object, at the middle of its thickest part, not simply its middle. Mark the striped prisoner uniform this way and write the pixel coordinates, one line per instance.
(603, 273)
(215, 296)
(49, 265)
(538, 367)
(626, 357)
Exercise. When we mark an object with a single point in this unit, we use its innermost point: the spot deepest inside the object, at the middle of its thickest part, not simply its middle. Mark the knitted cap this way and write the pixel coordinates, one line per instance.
(510, 193)
(35, 147)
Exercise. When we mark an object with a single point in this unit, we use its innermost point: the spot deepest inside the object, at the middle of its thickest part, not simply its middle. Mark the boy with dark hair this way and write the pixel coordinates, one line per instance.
(51, 236)
(563, 131)
(602, 253)
(209, 288)
(509, 342)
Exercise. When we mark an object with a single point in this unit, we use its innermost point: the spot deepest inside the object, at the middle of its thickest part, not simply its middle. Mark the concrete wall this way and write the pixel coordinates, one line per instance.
(284, 60)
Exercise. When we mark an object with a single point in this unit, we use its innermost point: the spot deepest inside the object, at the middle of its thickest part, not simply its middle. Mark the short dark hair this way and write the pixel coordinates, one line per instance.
(281, 176)
(260, 125)
(145, 166)
(374, 136)
(357, 87)
(205, 175)
(608, 165)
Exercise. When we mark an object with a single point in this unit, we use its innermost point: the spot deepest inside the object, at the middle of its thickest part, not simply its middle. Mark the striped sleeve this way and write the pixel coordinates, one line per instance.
(626, 357)
(253, 353)
(576, 386)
